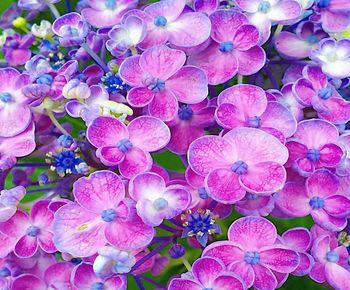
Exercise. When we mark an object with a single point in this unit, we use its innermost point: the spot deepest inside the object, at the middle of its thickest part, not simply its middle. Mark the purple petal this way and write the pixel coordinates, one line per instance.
(298, 239)
(279, 259)
(322, 183)
(136, 161)
(22, 282)
(140, 97)
(226, 251)
(141, 184)
(164, 105)
(250, 61)
(228, 282)
(206, 269)
(26, 246)
(184, 284)
(264, 278)
(337, 205)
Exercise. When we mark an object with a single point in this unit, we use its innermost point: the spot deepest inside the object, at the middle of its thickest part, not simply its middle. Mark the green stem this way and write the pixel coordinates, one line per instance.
(55, 122)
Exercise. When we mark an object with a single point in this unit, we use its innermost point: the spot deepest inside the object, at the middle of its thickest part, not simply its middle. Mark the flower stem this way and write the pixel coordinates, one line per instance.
(68, 6)
(31, 165)
(239, 79)
(55, 122)
(167, 228)
(53, 9)
(139, 283)
(95, 57)
(149, 280)
(271, 77)
(186, 264)
(39, 190)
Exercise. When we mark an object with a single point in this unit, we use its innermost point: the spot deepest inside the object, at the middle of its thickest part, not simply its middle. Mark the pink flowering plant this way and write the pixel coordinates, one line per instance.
(174, 144)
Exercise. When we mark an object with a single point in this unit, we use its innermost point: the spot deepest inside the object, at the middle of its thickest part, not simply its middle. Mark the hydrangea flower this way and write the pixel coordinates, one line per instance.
(9, 199)
(255, 205)
(207, 273)
(101, 212)
(128, 146)
(343, 169)
(251, 252)
(160, 80)
(314, 145)
(31, 231)
(247, 106)
(17, 50)
(319, 198)
(234, 48)
(244, 159)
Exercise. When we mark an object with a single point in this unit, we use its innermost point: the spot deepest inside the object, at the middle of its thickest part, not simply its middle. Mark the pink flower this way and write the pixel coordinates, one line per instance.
(331, 263)
(318, 198)
(9, 199)
(251, 253)
(100, 214)
(234, 48)
(160, 80)
(254, 204)
(314, 145)
(207, 273)
(128, 146)
(245, 159)
(31, 231)
(154, 200)
(247, 106)
(314, 90)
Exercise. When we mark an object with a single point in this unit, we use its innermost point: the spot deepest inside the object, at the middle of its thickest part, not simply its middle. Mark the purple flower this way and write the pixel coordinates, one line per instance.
(160, 80)
(333, 57)
(129, 146)
(102, 13)
(207, 273)
(255, 205)
(314, 145)
(17, 49)
(299, 44)
(314, 90)
(206, 6)
(35, 4)
(234, 48)
(83, 277)
(343, 169)
(319, 198)
(31, 231)
(71, 29)
(247, 106)
(9, 199)
(154, 200)
(252, 253)
(245, 159)
(167, 22)
(100, 214)
(24, 280)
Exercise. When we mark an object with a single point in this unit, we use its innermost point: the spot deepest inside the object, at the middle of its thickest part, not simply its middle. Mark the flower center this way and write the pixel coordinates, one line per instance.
(226, 46)
(111, 4)
(202, 192)
(252, 258)
(185, 113)
(124, 145)
(311, 39)
(45, 79)
(160, 21)
(68, 31)
(264, 6)
(160, 203)
(325, 93)
(313, 154)
(156, 85)
(254, 122)
(97, 286)
(5, 97)
(332, 256)
(252, 196)
(323, 3)
(109, 215)
(113, 83)
(65, 162)
(33, 231)
(5, 272)
(316, 202)
(239, 167)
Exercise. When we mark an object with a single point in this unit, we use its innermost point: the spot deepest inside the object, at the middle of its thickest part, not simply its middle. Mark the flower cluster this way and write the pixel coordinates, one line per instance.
(174, 144)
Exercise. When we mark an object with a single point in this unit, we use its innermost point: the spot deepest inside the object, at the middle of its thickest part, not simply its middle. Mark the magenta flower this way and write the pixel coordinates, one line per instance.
(299, 44)
(319, 198)
(245, 159)
(15, 113)
(314, 90)
(160, 80)
(84, 278)
(22, 282)
(154, 200)
(189, 125)
(247, 106)
(17, 50)
(166, 22)
(102, 13)
(207, 273)
(255, 205)
(313, 146)
(9, 199)
(129, 146)
(262, 13)
(100, 214)
(31, 231)
(206, 6)
(234, 48)
(343, 169)
(331, 263)
(252, 253)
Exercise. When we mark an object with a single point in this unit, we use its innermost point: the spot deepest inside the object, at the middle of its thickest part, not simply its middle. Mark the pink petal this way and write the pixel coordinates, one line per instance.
(246, 37)
(131, 72)
(250, 61)
(164, 105)
(337, 205)
(148, 133)
(170, 9)
(243, 270)
(142, 184)
(58, 275)
(264, 177)
(290, 45)
(322, 183)
(45, 240)
(206, 6)
(16, 226)
(7, 244)
(328, 222)
(162, 62)
(296, 150)
(264, 278)
(110, 155)
(182, 136)
(305, 265)
(40, 214)
(136, 161)
(331, 155)
(226, 251)
(315, 76)
(317, 272)
(252, 233)
(189, 30)
(106, 131)
(223, 186)
(206, 269)
(284, 10)
(210, 152)
(21, 282)
(337, 276)
(250, 6)
(298, 239)
(15, 119)
(337, 112)
(229, 116)
(149, 215)
(26, 247)
(101, 190)
(178, 197)
(183, 284)
(228, 282)
(279, 259)
(83, 276)
(140, 97)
